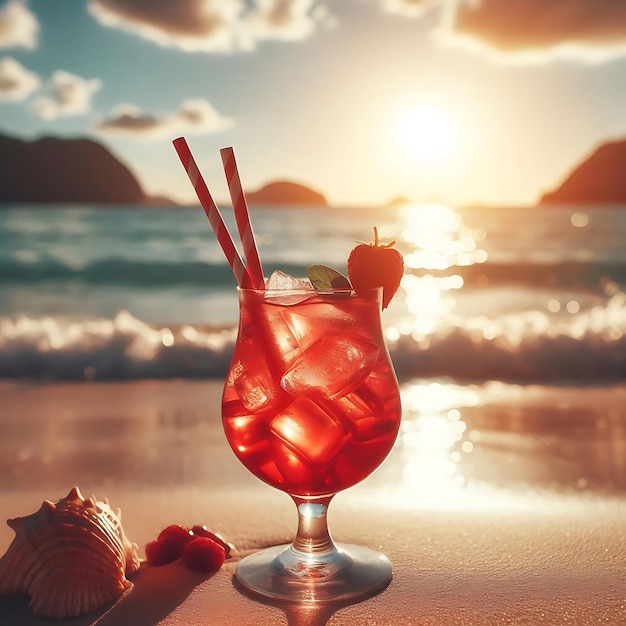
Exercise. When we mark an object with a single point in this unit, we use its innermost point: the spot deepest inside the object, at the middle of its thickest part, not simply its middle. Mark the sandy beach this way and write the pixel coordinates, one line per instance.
(521, 527)
(156, 289)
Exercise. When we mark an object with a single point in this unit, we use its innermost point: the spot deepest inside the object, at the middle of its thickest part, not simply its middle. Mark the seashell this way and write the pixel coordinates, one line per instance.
(71, 557)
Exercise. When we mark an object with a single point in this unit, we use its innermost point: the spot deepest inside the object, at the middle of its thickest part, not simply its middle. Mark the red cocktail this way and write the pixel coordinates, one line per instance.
(311, 406)
(311, 403)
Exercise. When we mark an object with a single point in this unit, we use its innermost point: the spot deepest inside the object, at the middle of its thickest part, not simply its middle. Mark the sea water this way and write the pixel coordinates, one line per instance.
(527, 294)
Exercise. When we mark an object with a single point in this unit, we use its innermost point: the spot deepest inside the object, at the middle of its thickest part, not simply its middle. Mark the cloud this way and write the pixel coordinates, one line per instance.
(197, 116)
(286, 20)
(16, 82)
(408, 8)
(18, 26)
(539, 29)
(212, 25)
(193, 25)
(70, 95)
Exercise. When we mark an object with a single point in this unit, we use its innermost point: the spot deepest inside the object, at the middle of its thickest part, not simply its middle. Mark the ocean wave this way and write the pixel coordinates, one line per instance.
(587, 348)
(591, 275)
(122, 348)
(122, 272)
(525, 346)
(126, 273)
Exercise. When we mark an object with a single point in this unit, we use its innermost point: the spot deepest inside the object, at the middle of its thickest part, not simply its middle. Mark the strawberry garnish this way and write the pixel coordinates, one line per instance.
(376, 265)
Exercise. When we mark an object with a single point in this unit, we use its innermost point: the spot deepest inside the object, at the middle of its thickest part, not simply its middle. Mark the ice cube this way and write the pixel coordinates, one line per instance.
(334, 365)
(294, 469)
(371, 427)
(309, 430)
(315, 319)
(283, 285)
(353, 406)
(285, 282)
(248, 435)
(249, 388)
(254, 390)
(324, 317)
(370, 393)
(359, 417)
(274, 345)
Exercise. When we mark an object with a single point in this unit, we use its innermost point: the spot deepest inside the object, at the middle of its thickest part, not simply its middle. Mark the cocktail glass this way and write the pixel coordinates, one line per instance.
(311, 406)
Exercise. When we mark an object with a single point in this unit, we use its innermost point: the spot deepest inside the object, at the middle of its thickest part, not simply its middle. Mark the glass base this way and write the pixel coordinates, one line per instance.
(346, 573)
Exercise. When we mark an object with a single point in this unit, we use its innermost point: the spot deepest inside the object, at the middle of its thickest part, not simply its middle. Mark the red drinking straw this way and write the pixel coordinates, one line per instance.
(250, 250)
(213, 213)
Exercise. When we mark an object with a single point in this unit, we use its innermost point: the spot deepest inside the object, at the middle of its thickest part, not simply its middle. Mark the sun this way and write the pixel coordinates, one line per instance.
(427, 134)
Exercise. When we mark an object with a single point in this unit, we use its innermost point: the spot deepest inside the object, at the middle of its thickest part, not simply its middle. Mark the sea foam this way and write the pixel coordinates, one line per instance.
(589, 346)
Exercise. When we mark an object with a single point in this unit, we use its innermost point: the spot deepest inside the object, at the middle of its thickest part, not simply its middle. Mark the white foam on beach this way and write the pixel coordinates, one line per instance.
(124, 347)
(587, 346)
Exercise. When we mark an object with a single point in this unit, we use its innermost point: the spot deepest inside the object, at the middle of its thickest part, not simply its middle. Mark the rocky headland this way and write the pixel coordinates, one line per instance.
(600, 179)
(54, 170)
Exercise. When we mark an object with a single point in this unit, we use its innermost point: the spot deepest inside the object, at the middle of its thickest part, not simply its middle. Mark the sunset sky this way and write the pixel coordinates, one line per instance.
(490, 101)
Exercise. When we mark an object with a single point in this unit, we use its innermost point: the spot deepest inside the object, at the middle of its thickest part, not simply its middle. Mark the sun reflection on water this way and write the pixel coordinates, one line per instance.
(434, 461)
(431, 442)
(434, 242)
(428, 299)
(435, 444)
(439, 238)
(433, 432)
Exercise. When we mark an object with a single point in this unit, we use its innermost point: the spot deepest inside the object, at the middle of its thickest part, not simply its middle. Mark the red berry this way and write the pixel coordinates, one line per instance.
(176, 535)
(161, 552)
(374, 265)
(202, 554)
(169, 545)
(203, 531)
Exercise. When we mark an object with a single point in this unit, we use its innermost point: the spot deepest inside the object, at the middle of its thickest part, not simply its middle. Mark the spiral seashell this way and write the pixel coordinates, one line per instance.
(71, 557)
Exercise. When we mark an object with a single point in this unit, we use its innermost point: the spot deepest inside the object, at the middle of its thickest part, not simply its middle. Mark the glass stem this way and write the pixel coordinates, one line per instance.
(313, 536)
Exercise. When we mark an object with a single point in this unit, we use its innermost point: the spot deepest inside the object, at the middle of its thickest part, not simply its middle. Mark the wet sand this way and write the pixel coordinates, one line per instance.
(499, 505)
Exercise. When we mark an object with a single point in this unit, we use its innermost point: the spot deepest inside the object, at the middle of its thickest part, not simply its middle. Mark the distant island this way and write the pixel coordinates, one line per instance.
(53, 170)
(286, 193)
(599, 179)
